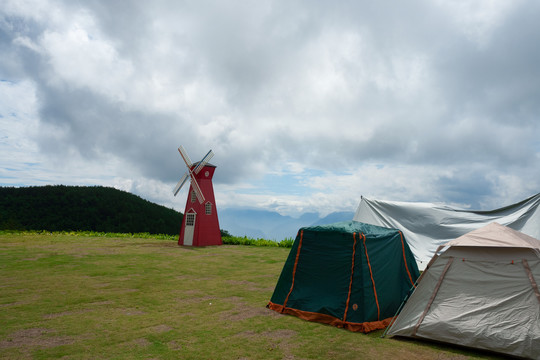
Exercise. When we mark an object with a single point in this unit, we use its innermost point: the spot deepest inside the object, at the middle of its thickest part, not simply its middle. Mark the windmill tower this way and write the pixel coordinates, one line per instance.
(200, 225)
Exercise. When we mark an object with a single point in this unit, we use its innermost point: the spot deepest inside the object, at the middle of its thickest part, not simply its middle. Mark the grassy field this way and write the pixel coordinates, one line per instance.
(74, 297)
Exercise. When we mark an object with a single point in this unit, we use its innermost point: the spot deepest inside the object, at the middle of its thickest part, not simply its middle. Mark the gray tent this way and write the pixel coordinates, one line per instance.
(481, 292)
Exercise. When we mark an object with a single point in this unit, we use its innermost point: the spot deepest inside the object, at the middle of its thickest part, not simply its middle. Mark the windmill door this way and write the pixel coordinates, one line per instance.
(189, 229)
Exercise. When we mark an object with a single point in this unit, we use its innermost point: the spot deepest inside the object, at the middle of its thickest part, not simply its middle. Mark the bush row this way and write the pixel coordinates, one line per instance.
(235, 240)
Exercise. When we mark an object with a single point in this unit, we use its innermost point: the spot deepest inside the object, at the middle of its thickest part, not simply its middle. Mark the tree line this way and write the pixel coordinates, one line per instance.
(83, 208)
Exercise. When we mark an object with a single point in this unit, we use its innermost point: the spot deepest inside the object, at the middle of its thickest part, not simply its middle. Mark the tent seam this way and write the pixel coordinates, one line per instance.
(531, 279)
(351, 281)
(294, 268)
(432, 298)
(372, 280)
(405, 259)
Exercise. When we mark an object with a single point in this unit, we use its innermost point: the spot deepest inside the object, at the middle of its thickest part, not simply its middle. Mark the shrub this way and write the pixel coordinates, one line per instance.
(235, 240)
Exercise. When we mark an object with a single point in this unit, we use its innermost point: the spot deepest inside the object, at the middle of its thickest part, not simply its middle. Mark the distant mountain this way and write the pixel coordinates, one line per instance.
(261, 223)
(271, 225)
(87, 208)
(335, 217)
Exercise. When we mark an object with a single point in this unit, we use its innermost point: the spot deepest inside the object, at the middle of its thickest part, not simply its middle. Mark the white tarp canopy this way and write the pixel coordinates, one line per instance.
(426, 226)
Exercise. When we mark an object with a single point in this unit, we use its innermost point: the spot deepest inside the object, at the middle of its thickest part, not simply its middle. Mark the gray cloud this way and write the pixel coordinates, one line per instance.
(334, 87)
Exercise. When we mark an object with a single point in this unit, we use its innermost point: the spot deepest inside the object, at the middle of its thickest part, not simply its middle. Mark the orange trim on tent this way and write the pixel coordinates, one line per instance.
(350, 283)
(364, 327)
(372, 280)
(405, 260)
(294, 268)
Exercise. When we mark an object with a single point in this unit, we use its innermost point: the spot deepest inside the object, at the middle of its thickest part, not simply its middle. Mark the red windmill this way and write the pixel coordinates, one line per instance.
(200, 225)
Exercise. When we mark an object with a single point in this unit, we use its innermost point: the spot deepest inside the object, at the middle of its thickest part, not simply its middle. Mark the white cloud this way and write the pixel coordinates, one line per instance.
(477, 19)
(79, 59)
(307, 105)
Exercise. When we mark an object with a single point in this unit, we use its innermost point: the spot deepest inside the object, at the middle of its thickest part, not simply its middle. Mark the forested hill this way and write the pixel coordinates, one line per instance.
(72, 208)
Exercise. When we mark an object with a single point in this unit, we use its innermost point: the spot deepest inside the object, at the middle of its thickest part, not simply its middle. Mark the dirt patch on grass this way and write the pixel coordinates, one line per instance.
(141, 342)
(161, 328)
(279, 340)
(244, 314)
(279, 334)
(66, 313)
(16, 303)
(29, 300)
(77, 312)
(181, 344)
(192, 292)
(197, 300)
(175, 345)
(243, 311)
(36, 337)
(247, 285)
(125, 291)
(274, 335)
(98, 303)
(131, 312)
(35, 258)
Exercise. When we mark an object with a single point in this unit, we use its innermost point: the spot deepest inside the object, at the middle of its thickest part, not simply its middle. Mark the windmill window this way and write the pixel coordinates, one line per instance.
(190, 219)
(208, 208)
(193, 196)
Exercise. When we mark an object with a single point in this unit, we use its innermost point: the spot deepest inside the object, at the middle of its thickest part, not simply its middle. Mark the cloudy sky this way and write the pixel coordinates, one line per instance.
(308, 105)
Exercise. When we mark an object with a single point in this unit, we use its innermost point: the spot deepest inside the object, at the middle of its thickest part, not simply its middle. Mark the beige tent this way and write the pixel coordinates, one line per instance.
(481, 292)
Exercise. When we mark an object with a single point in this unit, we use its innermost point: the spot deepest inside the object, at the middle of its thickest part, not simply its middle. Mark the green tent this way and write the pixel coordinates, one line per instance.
(348, 274)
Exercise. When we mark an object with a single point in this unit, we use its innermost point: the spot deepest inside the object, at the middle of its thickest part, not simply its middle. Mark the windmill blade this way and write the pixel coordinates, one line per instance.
(185, 156)
(197, 189)
(180, 183)
(203, 162)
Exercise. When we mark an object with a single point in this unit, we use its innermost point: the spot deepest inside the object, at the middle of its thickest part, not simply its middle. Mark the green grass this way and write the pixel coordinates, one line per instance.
(99, 297)
(227, 240)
